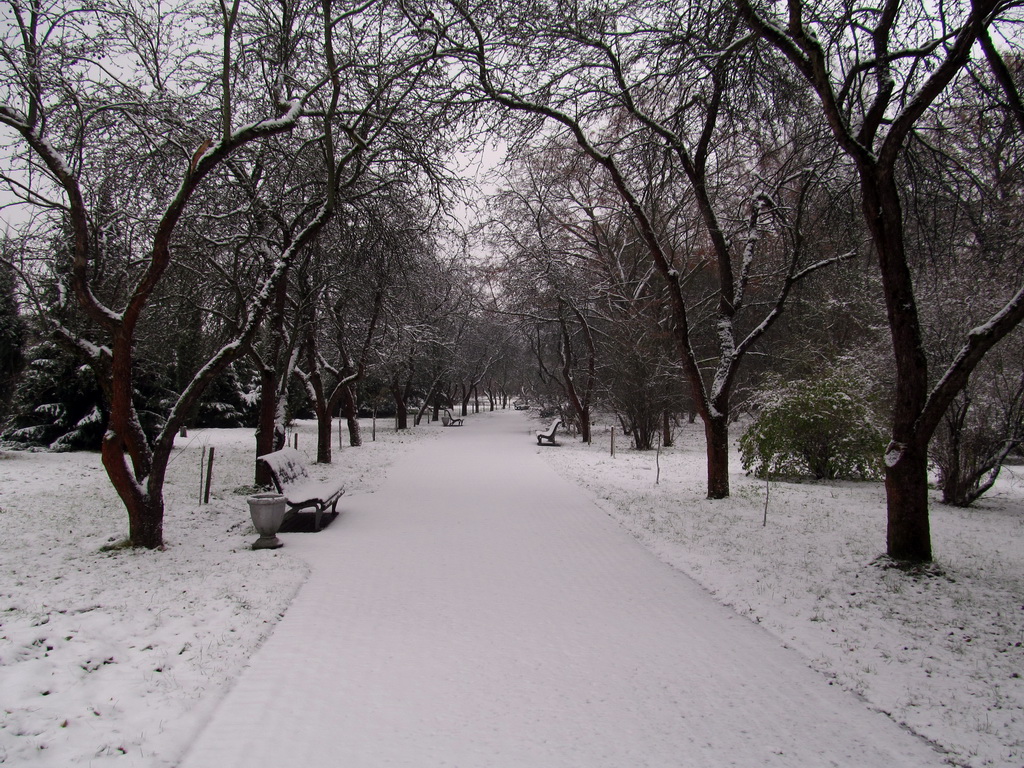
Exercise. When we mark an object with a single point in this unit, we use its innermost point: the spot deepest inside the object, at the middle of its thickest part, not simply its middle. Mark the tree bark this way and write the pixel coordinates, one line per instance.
(401, 410)
(908, 535)
(146, 521)
(906, 481)
(350, 410)
(145, 512)
(265, 431)
(323, 437)
(716, 433)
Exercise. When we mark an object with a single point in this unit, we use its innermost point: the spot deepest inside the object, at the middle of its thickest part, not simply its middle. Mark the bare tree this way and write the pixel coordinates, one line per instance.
(374, 256)
(561, 270)
(94, 106)
(982, 427)
(620, 79)
(876, 73)
(121, 127)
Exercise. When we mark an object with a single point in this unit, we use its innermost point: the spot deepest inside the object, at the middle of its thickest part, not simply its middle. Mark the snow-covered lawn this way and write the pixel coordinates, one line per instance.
(940, 649)
(112, 656)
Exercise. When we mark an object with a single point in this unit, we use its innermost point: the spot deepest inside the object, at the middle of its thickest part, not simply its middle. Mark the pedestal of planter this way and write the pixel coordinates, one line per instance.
(267, 512)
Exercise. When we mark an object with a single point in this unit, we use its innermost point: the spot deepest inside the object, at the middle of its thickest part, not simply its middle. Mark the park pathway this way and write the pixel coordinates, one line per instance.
(479, 611)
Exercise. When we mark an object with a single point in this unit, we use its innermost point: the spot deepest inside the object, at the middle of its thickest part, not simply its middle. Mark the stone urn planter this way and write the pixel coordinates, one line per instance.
(267, 512)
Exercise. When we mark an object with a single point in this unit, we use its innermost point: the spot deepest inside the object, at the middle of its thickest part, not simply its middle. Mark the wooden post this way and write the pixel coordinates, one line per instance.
(202, 466)
(613, 441)
(767, 489)
(295, 439)
(209, 477)
(657, 461)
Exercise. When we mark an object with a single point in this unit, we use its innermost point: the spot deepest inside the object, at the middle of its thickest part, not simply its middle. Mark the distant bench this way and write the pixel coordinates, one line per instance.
(548, 435)
(447, 420)
(288, 470)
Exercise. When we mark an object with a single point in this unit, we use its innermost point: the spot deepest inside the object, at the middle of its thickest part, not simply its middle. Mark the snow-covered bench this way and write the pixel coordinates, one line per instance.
(548, 435)
(447, 420)
(300, 491)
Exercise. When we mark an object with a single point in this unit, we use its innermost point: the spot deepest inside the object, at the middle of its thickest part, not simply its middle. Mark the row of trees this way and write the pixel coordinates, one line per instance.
(696, 194)
(196, 191)
(728, 152)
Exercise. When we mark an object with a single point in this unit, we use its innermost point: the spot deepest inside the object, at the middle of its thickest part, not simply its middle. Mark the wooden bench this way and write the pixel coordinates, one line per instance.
(288, 470)
(447, 420)
(548, 435)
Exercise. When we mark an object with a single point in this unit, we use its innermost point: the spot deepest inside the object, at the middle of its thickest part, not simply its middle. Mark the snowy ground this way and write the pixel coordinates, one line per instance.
(116, 657)
(941, 650)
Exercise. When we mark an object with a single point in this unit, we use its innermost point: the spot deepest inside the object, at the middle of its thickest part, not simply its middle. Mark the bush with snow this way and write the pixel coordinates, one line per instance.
(819, 427)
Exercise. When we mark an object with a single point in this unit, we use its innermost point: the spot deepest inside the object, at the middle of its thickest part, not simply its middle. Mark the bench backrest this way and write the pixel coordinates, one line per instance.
(286, 465)
(551, 430)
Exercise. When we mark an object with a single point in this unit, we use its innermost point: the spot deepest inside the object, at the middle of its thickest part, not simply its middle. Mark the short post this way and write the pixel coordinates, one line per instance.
(613, 442)
(202, 465)
(767, 490)
(657, 461)
(295, 439)
(209, 476)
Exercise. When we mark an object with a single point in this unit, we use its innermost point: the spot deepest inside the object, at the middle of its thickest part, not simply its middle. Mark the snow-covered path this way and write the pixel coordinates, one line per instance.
(479, 611)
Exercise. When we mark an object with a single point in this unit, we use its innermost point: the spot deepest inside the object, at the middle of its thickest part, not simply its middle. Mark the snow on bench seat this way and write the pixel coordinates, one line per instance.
(288, 471)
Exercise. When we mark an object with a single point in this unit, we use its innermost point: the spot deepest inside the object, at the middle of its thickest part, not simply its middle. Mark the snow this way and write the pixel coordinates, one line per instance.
(893, 453)
(459, 615)
(940, 649)
(305, 491)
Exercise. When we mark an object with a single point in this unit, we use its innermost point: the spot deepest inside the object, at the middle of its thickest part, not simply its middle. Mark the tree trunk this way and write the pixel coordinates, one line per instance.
(142, 495)
(401, 411)
(906, 482)
(666, 430)
(716, 433)
(265, 434)
(146, 522)
(431, 397)
(349, 409)
(908, 537)
(323, 436)
(145, 510)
